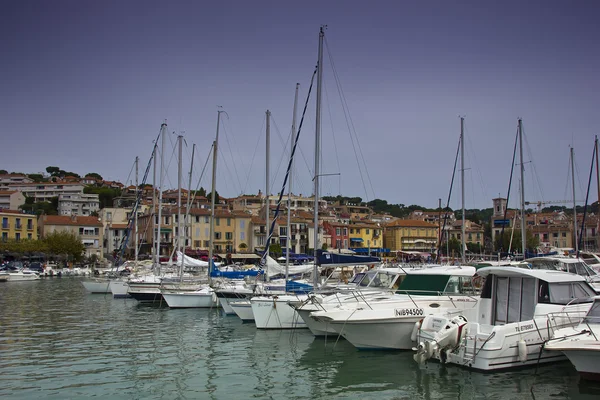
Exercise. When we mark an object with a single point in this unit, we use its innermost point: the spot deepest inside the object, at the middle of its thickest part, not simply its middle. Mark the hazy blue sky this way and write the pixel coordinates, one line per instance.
(85, 86)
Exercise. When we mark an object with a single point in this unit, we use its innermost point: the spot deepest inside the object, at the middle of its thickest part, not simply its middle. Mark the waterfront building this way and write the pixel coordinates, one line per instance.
(411, 235)
(339, 234)
(17, 225)
(89, 230)
(365, 237)
(11, 199)
(474, 233)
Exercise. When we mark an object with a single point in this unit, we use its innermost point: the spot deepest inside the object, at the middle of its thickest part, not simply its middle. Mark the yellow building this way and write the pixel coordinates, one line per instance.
(365, 235)
(411, 235)
(17, 226)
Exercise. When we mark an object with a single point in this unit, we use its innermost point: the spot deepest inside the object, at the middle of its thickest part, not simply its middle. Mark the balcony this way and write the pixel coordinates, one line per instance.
(5, 225)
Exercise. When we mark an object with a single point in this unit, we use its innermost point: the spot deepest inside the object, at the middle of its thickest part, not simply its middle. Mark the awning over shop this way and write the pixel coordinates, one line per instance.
(356, 240)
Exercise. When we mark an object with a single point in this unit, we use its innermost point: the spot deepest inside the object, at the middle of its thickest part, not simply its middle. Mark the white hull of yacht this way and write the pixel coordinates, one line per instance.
(586, 360)
(381, 334)
(199, 299)
(488, 349)
(276, 313)
(317, 327)
(22, 276)
(243, 309)
(97, 286)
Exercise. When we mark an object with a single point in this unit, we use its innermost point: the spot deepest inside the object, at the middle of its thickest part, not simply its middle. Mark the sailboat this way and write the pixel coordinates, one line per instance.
(276, 312)
(204, 296)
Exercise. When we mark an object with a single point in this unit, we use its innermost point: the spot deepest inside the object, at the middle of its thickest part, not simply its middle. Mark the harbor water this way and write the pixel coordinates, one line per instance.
(58, 342)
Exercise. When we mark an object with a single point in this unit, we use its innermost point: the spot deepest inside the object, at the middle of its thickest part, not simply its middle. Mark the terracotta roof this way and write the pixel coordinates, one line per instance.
(15, 212)
(410, 223)
(67, 220)
(118, 226)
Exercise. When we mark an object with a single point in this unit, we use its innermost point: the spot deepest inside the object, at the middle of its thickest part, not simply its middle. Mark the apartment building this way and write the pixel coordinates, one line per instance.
(17, 225)
(11, 199)
(410, 235)
(78, 204)
(89, 230)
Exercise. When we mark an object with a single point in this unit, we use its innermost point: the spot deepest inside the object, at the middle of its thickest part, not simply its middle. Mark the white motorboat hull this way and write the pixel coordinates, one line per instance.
(243, 309)
(498, 349)
(22, 276)
(586, 360)
(276, 313)
(200, 299)
(317, 327)
(381, 334)
(97, 286)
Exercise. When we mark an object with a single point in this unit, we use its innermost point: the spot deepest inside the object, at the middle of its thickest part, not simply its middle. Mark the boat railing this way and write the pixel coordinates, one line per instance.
(564, 319)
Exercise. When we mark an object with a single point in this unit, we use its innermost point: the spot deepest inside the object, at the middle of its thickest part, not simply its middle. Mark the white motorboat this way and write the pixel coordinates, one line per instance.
(22, 275)
(515, 315)
(581, 344)
(567, 264)
(100, 286)
(201, 298)
(388, 322)
(370, 287)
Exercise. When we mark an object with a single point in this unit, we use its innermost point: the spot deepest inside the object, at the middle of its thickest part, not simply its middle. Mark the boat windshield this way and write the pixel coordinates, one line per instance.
(566, 292)
(593, 316)
(358, 278)
(578, 268)
(380, 280)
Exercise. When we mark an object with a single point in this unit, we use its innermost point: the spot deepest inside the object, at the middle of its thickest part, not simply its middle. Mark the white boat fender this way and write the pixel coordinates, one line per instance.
(415, 331)
(522, 350)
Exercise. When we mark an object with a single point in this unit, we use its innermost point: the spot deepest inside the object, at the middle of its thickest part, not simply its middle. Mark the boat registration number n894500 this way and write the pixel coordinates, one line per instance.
(400, 312)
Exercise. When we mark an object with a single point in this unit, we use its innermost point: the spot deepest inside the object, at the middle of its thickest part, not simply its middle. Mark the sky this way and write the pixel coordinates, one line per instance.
(86, 86)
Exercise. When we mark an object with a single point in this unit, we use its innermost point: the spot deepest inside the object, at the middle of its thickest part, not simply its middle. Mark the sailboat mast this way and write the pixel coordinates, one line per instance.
(289, 202)
(135, 217)
(317, 156)
(574, 205)
(212, 199)
(267, 174)
(179, 247)
(462, 184)
(163, 135)
(523, 234)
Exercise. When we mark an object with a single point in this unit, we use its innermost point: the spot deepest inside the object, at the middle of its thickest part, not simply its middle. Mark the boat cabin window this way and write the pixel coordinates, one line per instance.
(566, 292)
(593, 316)
(382, 280)
(486, 291)
(514, 299)
(358, 277)
(459, 285)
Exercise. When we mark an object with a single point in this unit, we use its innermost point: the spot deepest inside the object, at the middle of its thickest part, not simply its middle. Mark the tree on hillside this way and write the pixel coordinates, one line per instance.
(209, 196)
(3, 172)
(41, 207)
(53, 170)
(65, 243)
(94, 175)
(105, 195)
(37, 177)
